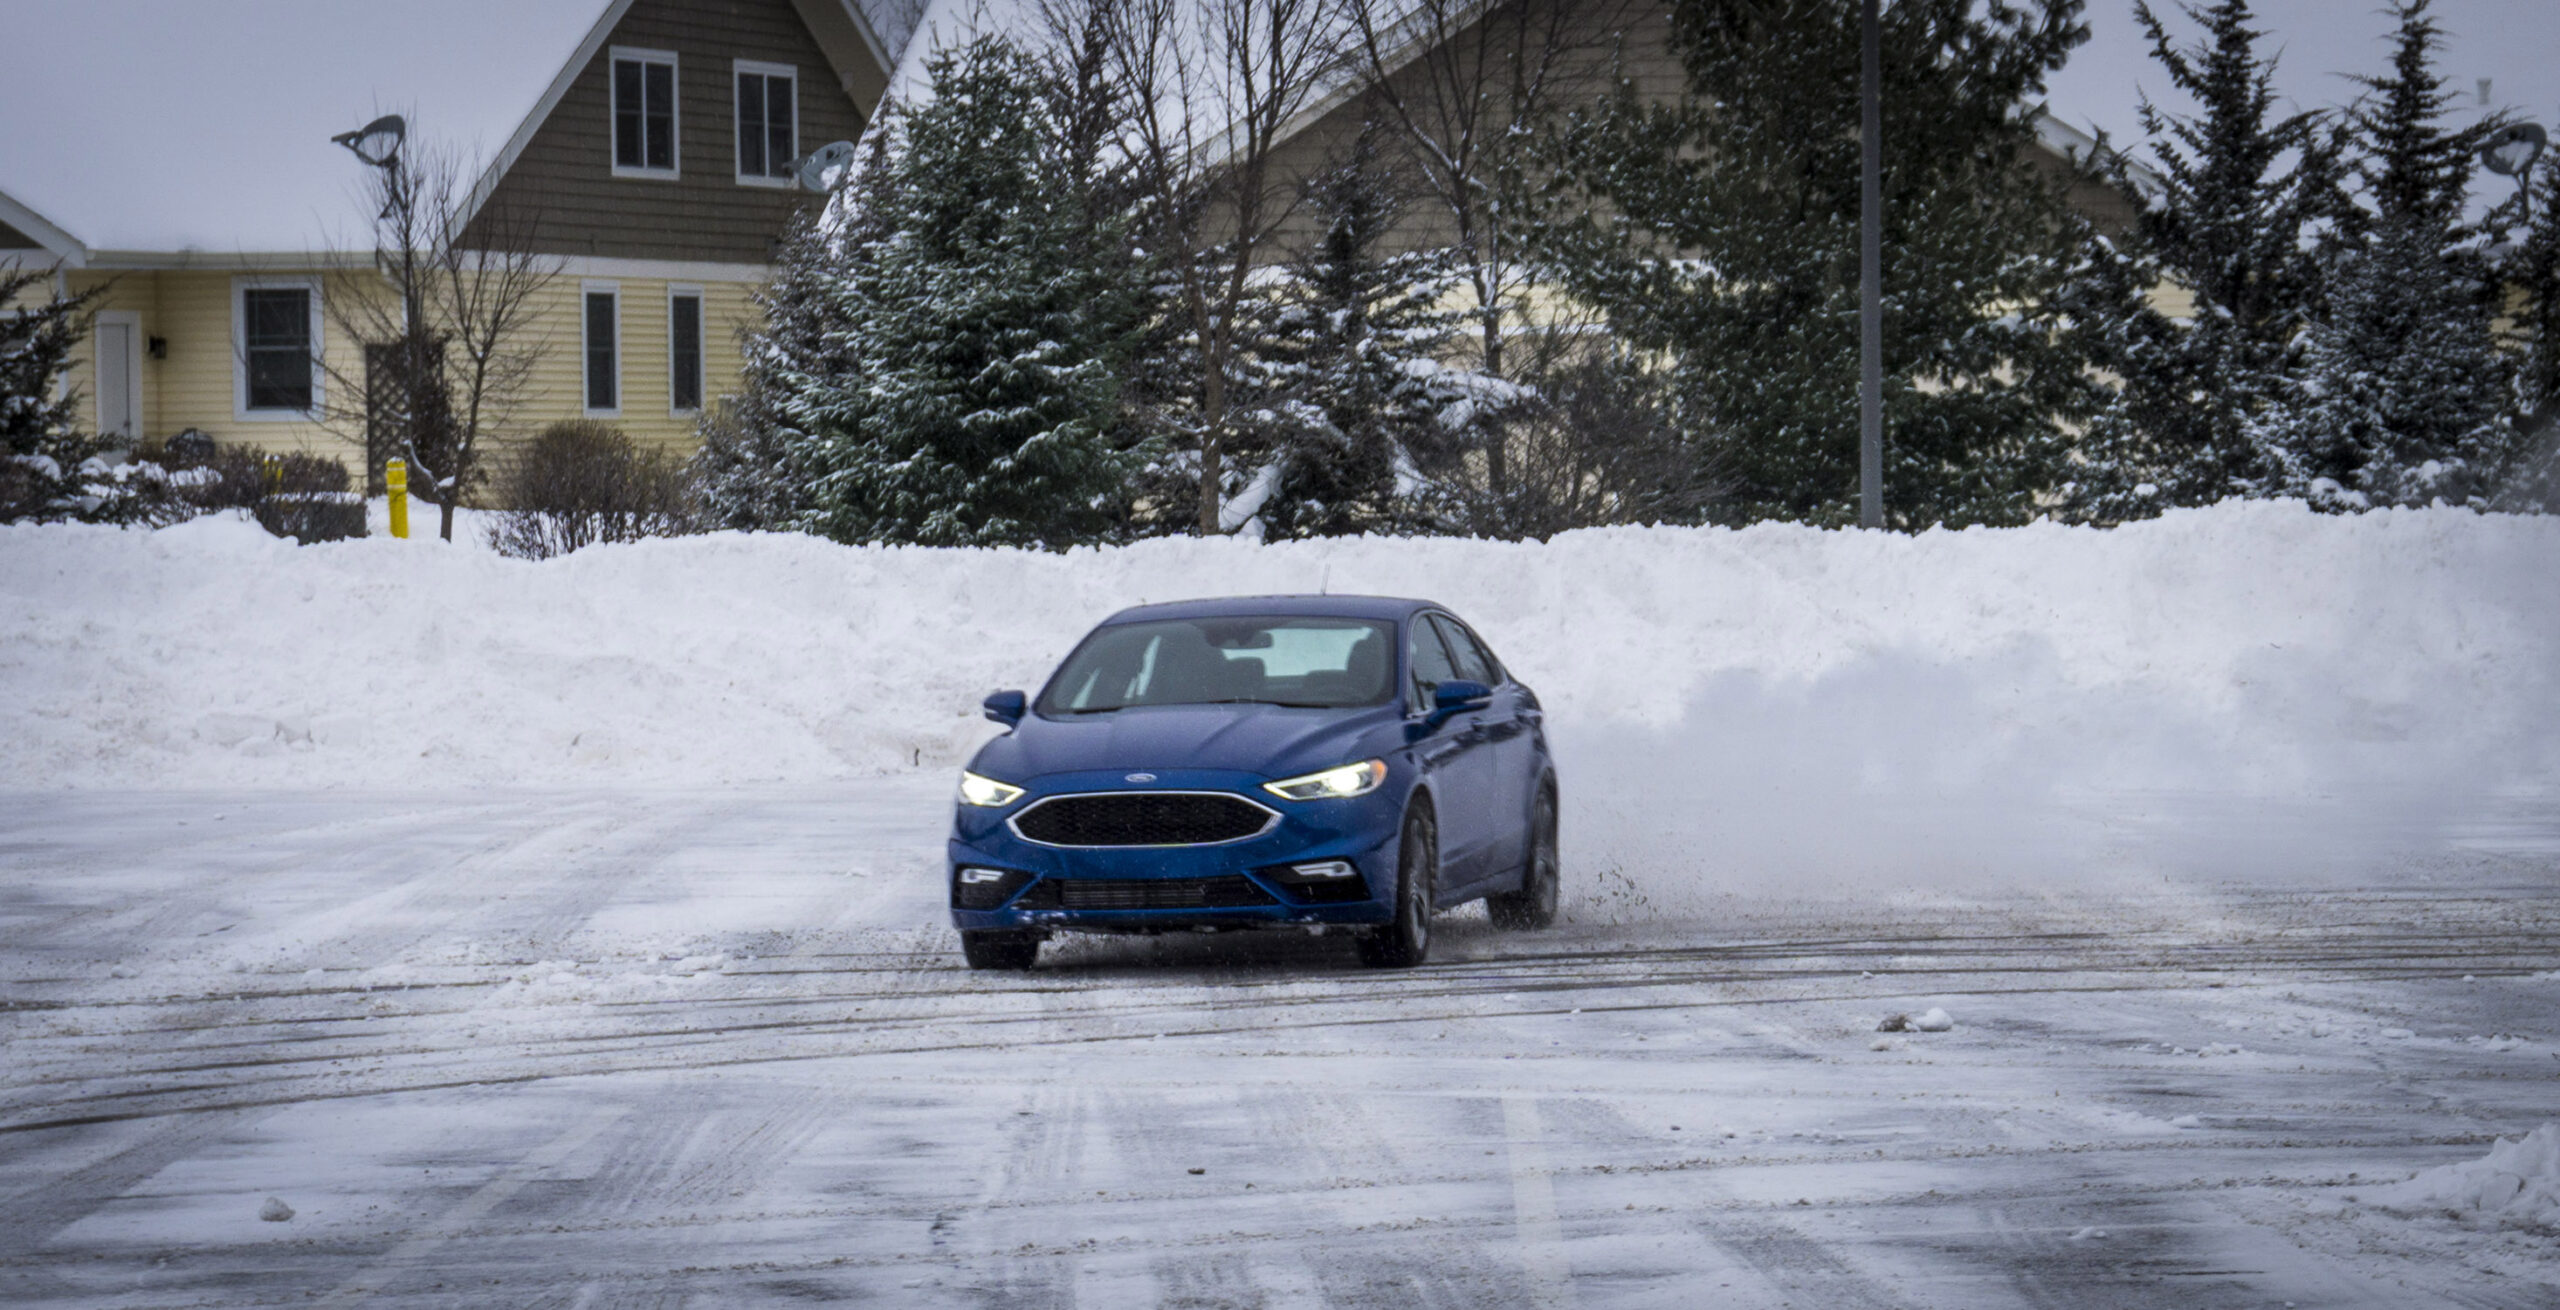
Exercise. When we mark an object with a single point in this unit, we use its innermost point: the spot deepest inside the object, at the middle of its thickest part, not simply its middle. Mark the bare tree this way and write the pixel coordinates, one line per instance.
(1598, 440)
(1469, 86)
(449, 353)
(1213, 88)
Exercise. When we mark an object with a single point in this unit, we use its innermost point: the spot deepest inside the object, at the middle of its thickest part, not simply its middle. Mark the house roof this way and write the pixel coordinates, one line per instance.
(145, 129)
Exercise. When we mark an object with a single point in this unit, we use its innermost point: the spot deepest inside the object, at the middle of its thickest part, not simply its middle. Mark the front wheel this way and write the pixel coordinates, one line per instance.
(1534, 905)
(1402, 943)
(999, 950)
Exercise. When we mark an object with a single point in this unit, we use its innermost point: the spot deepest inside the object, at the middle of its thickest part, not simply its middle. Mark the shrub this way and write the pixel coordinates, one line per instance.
(581, 482)
(295, 494)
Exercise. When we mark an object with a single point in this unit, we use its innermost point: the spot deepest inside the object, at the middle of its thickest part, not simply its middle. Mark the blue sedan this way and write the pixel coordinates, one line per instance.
(1321, 762)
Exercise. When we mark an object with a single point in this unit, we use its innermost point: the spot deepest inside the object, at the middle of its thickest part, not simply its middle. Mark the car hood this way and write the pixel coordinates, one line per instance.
(1271, 740)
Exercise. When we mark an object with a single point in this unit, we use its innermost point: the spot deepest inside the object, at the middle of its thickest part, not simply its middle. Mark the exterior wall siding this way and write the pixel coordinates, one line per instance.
(190, 309)
(194, 386)
(557, 389)
(1616, 38)
(1627, 40)
(564, 177)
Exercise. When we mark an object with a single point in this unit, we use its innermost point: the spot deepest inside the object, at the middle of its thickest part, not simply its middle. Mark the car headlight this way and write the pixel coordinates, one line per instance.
(975, 790)
(1332, 784)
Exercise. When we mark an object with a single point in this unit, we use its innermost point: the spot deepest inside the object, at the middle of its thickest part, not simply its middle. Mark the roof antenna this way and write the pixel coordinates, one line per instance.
(1324, 584)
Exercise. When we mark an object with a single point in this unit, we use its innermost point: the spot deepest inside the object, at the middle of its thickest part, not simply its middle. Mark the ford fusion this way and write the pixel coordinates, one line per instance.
(1325, 762)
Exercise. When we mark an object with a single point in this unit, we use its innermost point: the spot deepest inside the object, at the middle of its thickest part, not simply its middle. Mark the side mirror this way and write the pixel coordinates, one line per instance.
(1458, 695)
(1006, 707)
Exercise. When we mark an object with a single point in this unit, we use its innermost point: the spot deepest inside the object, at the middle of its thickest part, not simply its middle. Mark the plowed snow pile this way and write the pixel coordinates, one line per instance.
(1773, 702)
(2517, 1182)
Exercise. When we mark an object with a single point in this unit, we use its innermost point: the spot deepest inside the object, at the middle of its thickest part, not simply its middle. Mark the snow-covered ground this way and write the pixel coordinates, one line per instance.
(571, 935)
(713, 1047)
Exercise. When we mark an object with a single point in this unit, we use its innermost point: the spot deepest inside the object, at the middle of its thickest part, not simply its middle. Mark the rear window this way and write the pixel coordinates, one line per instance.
(1312, 662)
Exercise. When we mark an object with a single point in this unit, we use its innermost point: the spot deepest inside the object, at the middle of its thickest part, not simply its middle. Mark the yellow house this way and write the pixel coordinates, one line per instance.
(649, 141)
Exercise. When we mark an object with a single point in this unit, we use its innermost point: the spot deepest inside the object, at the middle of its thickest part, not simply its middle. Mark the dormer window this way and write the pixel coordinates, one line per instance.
(768, 122)
(644, 113)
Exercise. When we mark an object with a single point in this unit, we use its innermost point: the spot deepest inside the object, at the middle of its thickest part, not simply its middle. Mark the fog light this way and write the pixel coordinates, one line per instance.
(975, 887)
(1324, 869)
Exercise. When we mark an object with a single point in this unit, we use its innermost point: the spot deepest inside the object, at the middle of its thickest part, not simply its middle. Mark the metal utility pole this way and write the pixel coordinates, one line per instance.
(1871, 268)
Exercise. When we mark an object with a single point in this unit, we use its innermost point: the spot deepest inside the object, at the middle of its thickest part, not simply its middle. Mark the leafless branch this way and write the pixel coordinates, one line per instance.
(450, 341)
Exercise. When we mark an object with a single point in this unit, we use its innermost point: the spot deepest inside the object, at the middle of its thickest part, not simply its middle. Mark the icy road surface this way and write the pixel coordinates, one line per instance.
(661, 1049)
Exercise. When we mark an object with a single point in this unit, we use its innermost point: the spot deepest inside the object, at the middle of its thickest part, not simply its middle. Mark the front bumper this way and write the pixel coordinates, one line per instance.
(1362, 830)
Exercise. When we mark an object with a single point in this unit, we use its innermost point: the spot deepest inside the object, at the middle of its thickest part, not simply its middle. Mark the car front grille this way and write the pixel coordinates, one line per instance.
(1227, 893)
(1143, 818)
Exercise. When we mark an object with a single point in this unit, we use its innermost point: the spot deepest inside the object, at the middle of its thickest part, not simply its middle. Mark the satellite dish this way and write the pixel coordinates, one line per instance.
(826, 167)
(2511, 150)
(376, 142)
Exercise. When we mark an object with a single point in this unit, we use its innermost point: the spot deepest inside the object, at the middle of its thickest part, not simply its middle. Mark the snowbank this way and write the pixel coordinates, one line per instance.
(1773, 703)
(2518, 1182)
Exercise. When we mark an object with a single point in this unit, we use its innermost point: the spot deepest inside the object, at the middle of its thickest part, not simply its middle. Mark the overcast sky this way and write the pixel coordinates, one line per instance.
(2514, 43)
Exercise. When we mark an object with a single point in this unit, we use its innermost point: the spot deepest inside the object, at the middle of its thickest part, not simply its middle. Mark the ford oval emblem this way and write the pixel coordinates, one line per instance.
(1140, 777)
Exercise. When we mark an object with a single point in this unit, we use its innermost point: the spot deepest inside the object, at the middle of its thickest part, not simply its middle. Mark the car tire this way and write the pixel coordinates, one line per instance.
(999, 950)
(1534, 905)
(1402, 942)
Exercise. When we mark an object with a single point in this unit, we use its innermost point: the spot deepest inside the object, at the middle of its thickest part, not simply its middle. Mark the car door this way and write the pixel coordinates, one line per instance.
(1455, 755)
(1509, 749)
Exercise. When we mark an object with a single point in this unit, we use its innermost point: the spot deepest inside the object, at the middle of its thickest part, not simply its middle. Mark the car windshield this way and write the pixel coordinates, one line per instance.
(1299, 660)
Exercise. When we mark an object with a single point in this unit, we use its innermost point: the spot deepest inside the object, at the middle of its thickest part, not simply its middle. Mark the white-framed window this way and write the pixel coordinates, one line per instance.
(117, 336)
(684, 349)
(645, 121)
(275, 349)
(600, 346)
(768, 103)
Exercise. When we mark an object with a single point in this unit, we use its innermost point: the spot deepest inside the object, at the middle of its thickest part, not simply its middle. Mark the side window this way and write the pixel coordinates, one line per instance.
(768, 122)
(601, 326)
(1473, 664)
(644, 113)
(1431, 665)
(684, 350)
(276, 356)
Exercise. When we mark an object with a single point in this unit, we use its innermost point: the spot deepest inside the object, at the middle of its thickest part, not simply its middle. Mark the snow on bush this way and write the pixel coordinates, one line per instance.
(1767, 707)
(2517, 1182)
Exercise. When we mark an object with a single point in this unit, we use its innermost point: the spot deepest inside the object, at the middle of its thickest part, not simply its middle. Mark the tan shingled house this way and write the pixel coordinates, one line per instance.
(652, 138)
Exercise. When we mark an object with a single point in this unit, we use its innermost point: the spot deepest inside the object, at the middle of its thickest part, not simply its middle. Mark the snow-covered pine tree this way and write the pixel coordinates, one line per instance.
(2241, 191)
(2403, 387)
(750, 472)
(2533, 270)
(1723, 231)
(49, 468)
(1353, 409)
(984, 319)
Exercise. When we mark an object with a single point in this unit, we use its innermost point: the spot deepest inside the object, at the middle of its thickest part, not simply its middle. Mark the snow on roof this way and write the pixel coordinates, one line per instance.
(174, 125)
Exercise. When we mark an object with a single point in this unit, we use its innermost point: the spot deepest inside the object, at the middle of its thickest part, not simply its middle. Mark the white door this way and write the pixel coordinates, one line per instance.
(116, 380)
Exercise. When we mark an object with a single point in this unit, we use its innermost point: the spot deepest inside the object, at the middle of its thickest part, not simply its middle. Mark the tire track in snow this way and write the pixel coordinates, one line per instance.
(1118, 1020)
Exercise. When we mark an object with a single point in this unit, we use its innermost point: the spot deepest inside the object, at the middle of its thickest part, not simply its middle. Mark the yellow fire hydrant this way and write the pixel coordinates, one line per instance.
(395, 480)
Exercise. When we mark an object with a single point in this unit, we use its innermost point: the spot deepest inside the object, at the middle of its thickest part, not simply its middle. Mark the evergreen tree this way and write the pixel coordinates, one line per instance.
(2533, 269)
(2403, 386)
(749, 473)
(1351, 403)
(1723, 231)
(49, 469)
(981, 319)
(2240, 193)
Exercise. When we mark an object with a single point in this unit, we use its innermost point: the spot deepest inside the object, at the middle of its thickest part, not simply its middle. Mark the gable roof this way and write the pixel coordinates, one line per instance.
(144, 129)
